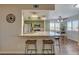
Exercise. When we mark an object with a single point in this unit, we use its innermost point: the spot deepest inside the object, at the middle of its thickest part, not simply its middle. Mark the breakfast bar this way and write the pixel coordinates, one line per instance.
(39, 37)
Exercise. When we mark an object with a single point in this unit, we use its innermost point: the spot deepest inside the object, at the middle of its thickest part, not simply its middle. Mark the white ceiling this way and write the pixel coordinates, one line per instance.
(64, 10)
(40, 13)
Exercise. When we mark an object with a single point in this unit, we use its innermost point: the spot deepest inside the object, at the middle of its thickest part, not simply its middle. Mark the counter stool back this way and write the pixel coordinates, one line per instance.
(51, 43)
(29, 42)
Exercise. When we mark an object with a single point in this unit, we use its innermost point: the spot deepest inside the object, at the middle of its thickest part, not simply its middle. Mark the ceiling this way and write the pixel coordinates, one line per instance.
(64, 10)
(29, 6)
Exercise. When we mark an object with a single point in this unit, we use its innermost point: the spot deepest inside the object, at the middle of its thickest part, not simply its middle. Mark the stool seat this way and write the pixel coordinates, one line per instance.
(56, 37)
(48, 42)
(30, 42)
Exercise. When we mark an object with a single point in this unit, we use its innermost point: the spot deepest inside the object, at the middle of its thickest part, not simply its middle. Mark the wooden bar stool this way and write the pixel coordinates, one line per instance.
(48, 42)
(30, 42)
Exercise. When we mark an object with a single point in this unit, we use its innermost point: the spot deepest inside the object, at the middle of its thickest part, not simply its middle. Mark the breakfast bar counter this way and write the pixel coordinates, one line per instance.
(40, 36)
(43, 34)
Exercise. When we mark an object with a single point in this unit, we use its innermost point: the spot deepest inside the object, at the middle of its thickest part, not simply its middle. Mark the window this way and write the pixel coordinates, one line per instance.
(75, 25)
(57, 26)
(69, 26)
(54, 26)
(72, 25)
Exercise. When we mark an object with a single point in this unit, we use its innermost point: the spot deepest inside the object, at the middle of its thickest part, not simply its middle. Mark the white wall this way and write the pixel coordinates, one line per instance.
(9, 32)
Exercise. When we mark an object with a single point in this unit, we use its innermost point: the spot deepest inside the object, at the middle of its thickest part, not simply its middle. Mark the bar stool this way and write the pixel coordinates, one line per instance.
(64, 39)
(30, 42)
(48, 42)
(58, 41)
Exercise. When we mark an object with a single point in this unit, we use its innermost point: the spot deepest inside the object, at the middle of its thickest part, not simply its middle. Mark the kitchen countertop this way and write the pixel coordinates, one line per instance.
(43, 34)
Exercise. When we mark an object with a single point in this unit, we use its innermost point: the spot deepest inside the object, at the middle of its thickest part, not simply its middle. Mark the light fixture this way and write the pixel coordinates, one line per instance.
(43, 17)
(60, 19)
(76, 5)
(35, 6)
(34, 14)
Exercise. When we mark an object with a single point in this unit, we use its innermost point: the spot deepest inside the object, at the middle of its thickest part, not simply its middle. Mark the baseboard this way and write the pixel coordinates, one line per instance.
(73, 40)
(21, 53)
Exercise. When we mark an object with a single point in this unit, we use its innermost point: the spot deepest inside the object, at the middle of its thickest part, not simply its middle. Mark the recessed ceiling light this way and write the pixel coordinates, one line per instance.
(35, 6)
(43, 17)
(34, 14)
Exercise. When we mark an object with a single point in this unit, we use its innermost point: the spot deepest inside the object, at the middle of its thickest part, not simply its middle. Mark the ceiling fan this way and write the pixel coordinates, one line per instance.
(61, 19)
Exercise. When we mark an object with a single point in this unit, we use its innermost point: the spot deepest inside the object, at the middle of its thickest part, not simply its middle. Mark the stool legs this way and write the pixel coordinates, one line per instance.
(35, 48)
(59, 42)
(27, 49)
(43, 49)
(52, 49)
(31, 50)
